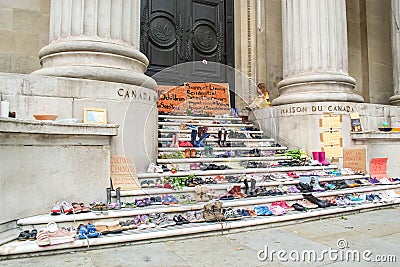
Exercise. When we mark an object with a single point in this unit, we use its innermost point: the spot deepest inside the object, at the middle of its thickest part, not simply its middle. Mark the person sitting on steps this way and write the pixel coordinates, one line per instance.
(262, 100)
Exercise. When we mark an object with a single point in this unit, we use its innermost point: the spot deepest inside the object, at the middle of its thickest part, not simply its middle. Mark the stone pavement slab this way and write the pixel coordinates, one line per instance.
(365, 231)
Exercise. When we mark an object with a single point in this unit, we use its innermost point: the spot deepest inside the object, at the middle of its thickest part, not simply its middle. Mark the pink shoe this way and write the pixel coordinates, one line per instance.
(322, 158)
(277, 210)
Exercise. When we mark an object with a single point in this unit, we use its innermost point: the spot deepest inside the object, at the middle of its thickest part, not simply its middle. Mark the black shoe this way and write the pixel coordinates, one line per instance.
(246, 186)
(298, 207)
(305, 187)
(177, 220)
(314, 200)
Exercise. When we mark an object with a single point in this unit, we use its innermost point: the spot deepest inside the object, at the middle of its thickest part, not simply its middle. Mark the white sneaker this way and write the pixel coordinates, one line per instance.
(385, 181)
(158, 169)
(346, 171)
(315, 163)
(392, 194)
(385, 197)
(151, 168)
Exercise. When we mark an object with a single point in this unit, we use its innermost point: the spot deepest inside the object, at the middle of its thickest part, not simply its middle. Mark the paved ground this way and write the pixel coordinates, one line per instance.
(369, 235)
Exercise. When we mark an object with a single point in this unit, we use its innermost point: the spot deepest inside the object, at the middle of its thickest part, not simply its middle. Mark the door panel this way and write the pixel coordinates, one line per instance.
(179, 31)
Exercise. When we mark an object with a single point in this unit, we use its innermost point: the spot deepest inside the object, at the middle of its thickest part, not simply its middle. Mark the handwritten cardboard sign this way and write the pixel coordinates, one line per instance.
(333, 151)
(171, 99)
(355, 158)
(333, 137)
(378, 167)
(199, 98)
(331, 121)
(123, 173)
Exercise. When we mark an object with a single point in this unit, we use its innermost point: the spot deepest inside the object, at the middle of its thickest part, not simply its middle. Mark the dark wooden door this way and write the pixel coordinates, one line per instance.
(180, 31)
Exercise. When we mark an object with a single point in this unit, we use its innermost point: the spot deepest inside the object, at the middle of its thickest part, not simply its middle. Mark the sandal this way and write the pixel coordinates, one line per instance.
(77, 207)
(23, 236)
(84, 207)
(33, 234)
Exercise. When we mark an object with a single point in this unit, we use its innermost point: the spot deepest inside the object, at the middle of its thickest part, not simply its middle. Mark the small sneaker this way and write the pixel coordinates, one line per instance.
(340, 202)
(317, 188)
(231, 214)
(42, 238)
(277, 210)
(356, 199)
(60, 237)
(373, 181)
(67, 207)
(151, 168)
(392, 194)
(56, 209)
(262, 211)
(284, 205)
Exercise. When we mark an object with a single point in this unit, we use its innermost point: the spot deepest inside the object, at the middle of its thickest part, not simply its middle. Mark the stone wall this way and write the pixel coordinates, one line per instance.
(297, 126)
(131, 107)
(45, 163)
(24, 30)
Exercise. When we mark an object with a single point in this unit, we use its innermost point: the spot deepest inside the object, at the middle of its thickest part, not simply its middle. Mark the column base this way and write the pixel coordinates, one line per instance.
(395, 100)
(317, 88)
(95, 60)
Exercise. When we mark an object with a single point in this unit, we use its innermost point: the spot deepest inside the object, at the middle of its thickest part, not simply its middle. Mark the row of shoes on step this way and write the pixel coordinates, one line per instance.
(66, 207)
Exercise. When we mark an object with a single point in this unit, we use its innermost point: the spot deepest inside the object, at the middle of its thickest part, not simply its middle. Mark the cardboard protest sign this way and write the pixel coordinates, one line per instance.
(123, 173)
(196, 98)
(355, 158)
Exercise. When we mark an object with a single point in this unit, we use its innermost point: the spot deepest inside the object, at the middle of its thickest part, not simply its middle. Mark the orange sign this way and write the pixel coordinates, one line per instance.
(378, 167)
(198, 98)
(171, 99)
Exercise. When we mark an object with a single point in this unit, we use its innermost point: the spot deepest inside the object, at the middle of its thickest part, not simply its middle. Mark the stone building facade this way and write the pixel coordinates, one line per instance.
(343, 57)
(24, 30)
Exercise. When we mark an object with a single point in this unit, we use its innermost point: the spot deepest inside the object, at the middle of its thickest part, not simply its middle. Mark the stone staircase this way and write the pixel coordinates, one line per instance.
(270, 158)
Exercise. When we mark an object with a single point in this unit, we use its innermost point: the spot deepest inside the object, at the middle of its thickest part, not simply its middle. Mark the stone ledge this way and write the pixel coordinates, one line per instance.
(375, 135)
(8, 125)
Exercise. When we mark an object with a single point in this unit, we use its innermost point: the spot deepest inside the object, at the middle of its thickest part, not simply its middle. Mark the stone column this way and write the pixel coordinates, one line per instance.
(95, 39)
(395, 99)
(315, 58)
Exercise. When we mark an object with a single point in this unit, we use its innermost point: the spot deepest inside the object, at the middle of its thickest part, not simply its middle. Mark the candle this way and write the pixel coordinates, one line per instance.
(4, 108)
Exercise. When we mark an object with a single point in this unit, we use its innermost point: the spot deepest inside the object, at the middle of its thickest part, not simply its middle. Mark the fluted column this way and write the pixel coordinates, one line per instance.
(315, 57)
(95, 39)
(395, 99)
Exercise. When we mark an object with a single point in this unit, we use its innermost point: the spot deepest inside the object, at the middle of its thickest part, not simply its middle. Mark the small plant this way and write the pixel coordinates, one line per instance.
(176, 183)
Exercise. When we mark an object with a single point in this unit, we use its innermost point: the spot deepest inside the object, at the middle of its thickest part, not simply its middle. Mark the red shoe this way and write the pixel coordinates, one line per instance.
(67, 208)
(56, 210)
(284, 205)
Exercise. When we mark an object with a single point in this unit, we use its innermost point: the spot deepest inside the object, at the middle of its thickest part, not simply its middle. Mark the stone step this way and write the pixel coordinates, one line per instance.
(210, 132)
(153, 191)
(217, 160)
(220, 125)
(262, 148)
(75, 219)
(28, 247)
(235, 171)
(177, 117)
(168, 139)
(9, 235)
